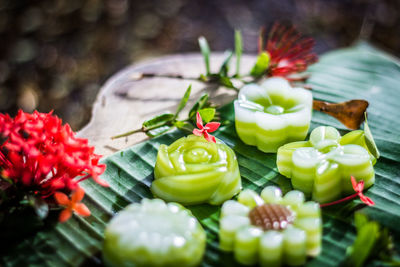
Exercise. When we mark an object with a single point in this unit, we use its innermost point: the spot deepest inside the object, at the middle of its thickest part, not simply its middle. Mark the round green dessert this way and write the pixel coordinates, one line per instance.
(193, 170)
(322, 167)
(272, 114)
(269, 229)
(154, 233)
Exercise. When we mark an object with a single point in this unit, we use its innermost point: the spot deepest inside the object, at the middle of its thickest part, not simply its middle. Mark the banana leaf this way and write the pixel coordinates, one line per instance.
(361, 71)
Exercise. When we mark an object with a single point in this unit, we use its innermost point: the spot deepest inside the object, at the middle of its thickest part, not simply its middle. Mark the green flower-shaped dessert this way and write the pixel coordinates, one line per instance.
(272, 114)
(193, 170)
(271, 230)
(322, 167)
(153, 233)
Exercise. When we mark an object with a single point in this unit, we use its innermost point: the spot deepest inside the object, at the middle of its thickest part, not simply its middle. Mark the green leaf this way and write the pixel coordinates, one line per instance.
(261, 65)
(225, 81)
(207, 114)
(357, 72)
(158, 121)
(205, 50)
(200, 103)
(183, 102)
(238, 50)
(369, 140)
(158, 131)
(223, 71)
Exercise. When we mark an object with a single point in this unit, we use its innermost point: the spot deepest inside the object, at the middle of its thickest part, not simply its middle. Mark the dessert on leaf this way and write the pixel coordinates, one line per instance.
(323, 166)
(272, 114)
(196, 169)
(270, 229)
(154, 233)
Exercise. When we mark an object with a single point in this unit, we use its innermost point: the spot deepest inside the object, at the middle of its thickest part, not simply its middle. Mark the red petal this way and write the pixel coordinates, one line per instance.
(367, 200)
(77, 195)
(210, 138)
(212, 126)
(354, 183)
(61, 198)
(82, 210)
(199, 121)
(197, 132)
(65, 215)
(100, 181)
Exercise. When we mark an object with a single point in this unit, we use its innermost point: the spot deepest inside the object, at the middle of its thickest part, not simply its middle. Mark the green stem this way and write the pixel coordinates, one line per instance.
(128, 133)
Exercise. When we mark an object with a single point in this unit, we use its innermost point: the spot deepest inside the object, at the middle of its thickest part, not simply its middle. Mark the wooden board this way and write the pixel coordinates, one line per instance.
(126, 100)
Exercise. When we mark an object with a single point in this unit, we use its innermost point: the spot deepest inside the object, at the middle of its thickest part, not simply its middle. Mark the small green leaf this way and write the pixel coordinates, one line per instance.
(359, 252)
(157, 121)
(158, 131)
(207, 114)
(205, 50)
(200, 103)
(223, 71)
(183, 102)
(238, 50)
(360, 220)
(369, 140)
(261, 65)
(225, 81)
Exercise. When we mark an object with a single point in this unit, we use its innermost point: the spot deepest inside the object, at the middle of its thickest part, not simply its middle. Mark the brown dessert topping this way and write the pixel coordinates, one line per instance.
(271, 216)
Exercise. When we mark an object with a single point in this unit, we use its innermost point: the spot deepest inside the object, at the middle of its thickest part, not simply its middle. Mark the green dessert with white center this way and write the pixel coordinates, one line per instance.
(322, 167)
(154, 233)
(269, 229)
(193, 170)
(272, 114)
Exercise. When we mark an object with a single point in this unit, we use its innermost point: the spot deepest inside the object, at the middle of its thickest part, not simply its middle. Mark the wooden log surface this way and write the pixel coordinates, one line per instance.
(126, 100)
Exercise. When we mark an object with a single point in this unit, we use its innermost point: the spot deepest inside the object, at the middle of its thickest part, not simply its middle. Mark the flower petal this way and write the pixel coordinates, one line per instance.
(77, 195)
(210, 138)
(81, 209)
(65, 215)
(366, 200)
(199, 121)
(212, 126)
(354, 183)
(61, 198)
(197, 132)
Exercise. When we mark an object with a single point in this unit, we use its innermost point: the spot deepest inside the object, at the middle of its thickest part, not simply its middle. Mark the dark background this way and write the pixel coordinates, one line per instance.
(55, 54)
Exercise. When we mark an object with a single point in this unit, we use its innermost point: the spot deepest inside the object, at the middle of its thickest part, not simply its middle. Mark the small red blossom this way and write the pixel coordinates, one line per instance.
(289, 51)
(72, 205)
(205, 130)
(40, 155)
(358, 188)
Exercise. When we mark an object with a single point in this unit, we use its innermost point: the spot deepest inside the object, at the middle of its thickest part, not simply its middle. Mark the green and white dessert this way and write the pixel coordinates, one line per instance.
(153, 233)
(269, 229)
(322, 167)
(193, 170)
(272, 114)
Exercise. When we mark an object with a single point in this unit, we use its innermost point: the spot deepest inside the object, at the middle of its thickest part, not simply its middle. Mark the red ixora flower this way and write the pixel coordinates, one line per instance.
(41, 155)
(289, 51)
(72, 205)
(204, 130)
(358, 188)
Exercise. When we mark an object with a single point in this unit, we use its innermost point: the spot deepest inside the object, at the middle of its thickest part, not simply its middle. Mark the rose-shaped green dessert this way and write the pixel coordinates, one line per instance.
(154, 233)
(271, 230)
(272, 114)
(193, 170)
(322, 167)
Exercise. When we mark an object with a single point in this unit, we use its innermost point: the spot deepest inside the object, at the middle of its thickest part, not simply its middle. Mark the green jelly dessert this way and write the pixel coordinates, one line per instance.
(322, 167)
(193, 170)
(269, 229)
(153, 233)
(272, 114)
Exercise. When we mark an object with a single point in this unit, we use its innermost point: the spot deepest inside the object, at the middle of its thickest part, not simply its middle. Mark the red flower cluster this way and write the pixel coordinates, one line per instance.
(39, 154)
(289, 51)
(204, 130)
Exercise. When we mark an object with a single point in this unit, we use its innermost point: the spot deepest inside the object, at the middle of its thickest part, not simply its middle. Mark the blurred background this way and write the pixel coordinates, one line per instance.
(56, 54)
